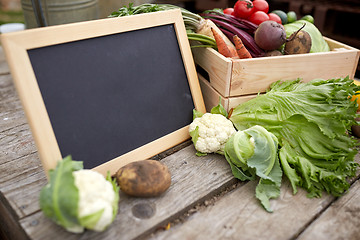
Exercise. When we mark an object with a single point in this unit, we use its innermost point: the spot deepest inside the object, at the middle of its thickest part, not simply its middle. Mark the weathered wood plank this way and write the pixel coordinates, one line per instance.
(340, 221)
(6, 87)
(9, 225)
(193, 179)
(11, 111)
(292, 215)
(21, 182)
(16, 142)
(4, 68)
(238, 215)
(240, 212)
(11, 119)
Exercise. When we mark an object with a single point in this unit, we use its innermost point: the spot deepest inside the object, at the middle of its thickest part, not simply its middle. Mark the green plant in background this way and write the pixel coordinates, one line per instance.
(11, 17)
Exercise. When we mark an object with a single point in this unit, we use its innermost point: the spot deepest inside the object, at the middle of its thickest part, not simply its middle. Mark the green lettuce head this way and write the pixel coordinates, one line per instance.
(253, 153)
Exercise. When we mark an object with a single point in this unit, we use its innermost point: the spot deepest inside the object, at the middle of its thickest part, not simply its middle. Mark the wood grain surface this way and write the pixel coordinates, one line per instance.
(204, 200)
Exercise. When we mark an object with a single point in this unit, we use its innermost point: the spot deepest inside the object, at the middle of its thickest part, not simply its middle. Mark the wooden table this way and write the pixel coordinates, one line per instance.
(204, 200)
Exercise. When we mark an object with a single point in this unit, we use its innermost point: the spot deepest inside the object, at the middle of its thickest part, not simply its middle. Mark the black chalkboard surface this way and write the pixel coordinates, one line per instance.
(109, 95)
(108, 91)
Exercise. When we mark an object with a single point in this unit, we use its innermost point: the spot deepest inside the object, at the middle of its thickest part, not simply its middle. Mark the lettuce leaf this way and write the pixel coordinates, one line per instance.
(311, 121)
(253, 153)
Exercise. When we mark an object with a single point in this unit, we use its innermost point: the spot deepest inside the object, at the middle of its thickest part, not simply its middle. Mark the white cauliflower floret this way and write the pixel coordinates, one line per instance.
(77, 199)
(95, 194)
(213, 132)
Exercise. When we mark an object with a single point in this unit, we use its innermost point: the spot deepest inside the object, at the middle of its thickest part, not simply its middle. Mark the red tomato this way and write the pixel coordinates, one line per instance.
(229, 11)
(243, 9)
(274, 17)
(258, 17)
(261, 5)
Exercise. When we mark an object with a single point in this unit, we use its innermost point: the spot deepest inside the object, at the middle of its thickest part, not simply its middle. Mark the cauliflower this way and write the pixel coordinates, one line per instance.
(96, 195)
(210, 132)
(77, 198)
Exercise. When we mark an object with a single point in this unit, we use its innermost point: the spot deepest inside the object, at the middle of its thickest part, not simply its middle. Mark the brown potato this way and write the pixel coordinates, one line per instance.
(146, 178)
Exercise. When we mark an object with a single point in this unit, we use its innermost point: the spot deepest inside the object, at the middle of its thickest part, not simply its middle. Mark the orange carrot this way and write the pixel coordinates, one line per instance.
(241, 50)
(221, 45)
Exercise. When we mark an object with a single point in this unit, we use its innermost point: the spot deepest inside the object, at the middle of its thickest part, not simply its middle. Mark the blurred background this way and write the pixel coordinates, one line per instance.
(336, 19)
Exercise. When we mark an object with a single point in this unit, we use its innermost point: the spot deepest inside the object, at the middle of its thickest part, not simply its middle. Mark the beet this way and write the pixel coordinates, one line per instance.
(270, 35)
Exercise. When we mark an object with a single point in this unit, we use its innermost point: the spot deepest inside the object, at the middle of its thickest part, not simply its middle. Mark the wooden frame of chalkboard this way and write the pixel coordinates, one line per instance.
(64, 76)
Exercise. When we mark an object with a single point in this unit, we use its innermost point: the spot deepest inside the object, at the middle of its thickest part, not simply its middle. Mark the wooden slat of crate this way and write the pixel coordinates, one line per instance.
(250, 76)
(212, 97)
(218, 67)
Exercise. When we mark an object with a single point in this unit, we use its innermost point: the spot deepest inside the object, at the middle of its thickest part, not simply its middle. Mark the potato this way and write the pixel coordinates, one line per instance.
(299, 43)
(146, 178)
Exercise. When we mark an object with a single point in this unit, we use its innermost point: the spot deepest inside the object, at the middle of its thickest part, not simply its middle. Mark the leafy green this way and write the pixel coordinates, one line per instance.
(311, 121)
(197, 114)
(116, 188)
(194, 137)
(59, 198)
(219, 109)
(318, 44)
(191, 20)
(133, 10)
(254, 152)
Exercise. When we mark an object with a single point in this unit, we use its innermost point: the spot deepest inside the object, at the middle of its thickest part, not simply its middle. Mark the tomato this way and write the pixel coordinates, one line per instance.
(258, 17)
(243, 9)
(261, 5)
(229, 11)
(274, 17)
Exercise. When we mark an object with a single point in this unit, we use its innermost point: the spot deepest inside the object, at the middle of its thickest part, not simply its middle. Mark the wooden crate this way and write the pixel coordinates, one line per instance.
(212, 97)
(240, 77)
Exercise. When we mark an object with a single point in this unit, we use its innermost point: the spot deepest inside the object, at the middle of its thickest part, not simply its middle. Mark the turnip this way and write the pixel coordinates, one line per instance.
(270, 35)
(300, 43)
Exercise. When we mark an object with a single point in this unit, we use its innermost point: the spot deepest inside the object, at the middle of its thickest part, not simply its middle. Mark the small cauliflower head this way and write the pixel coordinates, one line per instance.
(210, 133)
(98, 201)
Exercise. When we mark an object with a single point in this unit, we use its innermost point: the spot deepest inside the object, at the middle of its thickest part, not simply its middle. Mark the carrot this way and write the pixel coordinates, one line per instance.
(205, 29)
(241, 50)
(221, 45)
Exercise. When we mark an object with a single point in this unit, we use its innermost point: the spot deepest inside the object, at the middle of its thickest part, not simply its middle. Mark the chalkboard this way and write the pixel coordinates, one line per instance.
(111, 98)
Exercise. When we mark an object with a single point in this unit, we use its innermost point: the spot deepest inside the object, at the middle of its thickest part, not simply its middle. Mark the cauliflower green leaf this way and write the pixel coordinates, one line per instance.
(54, 197)
(77, 198)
